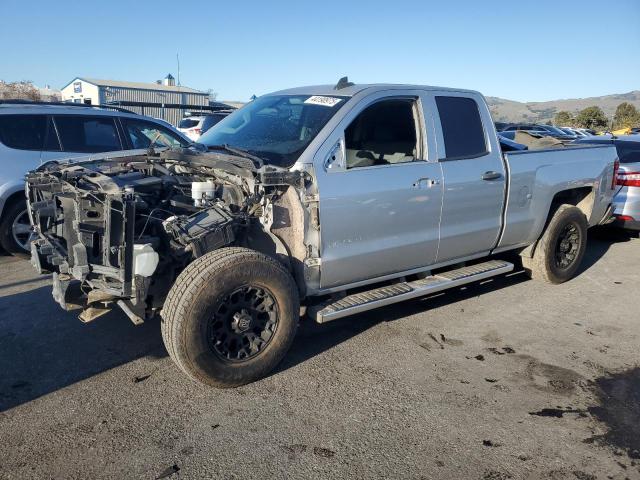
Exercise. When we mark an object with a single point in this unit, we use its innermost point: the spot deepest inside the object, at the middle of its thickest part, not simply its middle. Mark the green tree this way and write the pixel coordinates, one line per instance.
(626, 115)
(592, 117)
(563, 119)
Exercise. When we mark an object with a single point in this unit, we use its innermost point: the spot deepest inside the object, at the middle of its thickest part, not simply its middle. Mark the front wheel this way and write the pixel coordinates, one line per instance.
(230, 317)
(15, 229)
(561, 248)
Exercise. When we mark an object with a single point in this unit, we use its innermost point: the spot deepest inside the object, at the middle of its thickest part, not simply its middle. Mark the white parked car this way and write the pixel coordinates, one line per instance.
(193, 126)
(33, 133)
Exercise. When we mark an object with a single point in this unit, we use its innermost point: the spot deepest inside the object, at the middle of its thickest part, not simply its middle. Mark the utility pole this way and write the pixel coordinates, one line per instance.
(178, 60)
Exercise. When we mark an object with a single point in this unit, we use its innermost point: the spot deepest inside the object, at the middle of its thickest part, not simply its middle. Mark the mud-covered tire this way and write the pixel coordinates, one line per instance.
(10, 215)
(194, 304)
(561, 248)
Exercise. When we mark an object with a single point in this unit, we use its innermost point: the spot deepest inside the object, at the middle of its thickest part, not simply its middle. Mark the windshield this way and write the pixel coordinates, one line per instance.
(276, 128)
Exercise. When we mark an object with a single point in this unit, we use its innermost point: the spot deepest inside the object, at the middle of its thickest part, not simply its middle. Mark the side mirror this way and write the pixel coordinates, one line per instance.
(335, 159)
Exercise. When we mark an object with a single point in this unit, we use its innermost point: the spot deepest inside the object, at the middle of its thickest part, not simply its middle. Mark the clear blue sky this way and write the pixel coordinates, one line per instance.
(521, 50)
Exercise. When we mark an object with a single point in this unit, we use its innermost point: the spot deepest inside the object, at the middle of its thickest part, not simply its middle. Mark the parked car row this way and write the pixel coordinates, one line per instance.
(567, 134)
(579, 132)
(33, 133)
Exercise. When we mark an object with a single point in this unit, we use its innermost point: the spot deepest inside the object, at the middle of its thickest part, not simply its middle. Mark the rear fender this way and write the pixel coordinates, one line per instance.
(582, 198)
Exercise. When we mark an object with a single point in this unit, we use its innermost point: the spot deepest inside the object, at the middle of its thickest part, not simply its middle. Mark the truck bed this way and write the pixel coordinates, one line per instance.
(535, 177)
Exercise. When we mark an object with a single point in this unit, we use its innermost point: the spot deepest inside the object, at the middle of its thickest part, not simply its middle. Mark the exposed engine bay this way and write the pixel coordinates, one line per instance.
(120, 229)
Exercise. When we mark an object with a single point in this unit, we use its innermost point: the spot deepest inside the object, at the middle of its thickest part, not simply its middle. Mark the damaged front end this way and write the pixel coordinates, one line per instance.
(118, 230)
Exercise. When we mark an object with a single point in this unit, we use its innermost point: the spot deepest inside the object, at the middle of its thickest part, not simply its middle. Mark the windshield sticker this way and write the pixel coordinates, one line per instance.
(324, 101)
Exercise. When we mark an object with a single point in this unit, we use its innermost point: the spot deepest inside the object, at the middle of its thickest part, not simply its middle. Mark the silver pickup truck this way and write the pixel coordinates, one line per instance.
(321, 200)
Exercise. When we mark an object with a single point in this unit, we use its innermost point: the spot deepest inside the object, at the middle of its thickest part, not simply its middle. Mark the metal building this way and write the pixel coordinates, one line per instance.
(163, 100)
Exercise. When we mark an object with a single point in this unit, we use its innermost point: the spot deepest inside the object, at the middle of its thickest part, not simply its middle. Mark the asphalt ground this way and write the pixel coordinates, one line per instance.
(510, 378)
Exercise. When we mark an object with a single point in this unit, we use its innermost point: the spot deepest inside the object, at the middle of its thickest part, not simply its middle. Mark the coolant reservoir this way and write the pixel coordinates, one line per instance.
(202, 191)
(145, 259)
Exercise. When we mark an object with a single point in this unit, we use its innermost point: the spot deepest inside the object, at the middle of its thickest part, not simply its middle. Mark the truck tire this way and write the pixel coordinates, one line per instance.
(561, 248)
(230, 317)
(14, 234)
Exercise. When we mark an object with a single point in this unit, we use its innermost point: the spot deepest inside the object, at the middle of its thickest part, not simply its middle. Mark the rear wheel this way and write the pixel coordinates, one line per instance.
(15, 229)
(561, 248)
(230, 317)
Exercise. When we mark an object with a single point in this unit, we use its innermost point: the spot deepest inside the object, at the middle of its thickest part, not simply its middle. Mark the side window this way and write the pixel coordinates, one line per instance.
(382, 134)
(87, 134)
(143, 134)
(461, 127)
(23, 132)
(51, 143)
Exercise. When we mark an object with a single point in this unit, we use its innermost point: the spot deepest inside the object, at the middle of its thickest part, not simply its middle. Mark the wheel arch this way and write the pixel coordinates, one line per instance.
(263, 241)
(9, 193)
(581, 197)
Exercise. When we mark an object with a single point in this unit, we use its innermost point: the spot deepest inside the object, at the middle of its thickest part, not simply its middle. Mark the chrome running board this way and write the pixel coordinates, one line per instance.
(398, 292)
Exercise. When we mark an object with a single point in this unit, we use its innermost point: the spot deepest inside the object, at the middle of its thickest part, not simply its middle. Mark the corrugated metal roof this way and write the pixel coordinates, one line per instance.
(140, 85)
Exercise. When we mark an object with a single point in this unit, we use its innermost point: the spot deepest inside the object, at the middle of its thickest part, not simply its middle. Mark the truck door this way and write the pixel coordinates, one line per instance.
(380, 204)
(474, 174)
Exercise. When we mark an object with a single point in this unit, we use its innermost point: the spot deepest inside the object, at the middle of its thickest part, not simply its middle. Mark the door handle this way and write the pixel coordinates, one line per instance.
(491, 175)
(429, 182)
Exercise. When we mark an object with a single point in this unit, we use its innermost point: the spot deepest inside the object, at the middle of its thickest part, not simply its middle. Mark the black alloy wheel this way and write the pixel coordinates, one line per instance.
(243, 323)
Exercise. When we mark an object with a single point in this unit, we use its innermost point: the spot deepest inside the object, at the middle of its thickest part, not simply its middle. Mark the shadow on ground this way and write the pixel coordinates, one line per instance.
(599, 241)
(618, 408)
(44, 349)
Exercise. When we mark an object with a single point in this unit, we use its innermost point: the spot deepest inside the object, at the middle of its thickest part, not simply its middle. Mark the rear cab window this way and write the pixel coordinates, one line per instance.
(87, 134)
(462, 129)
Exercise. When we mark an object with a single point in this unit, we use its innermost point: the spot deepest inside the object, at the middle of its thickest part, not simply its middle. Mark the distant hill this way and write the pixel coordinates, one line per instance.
(510, 111)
